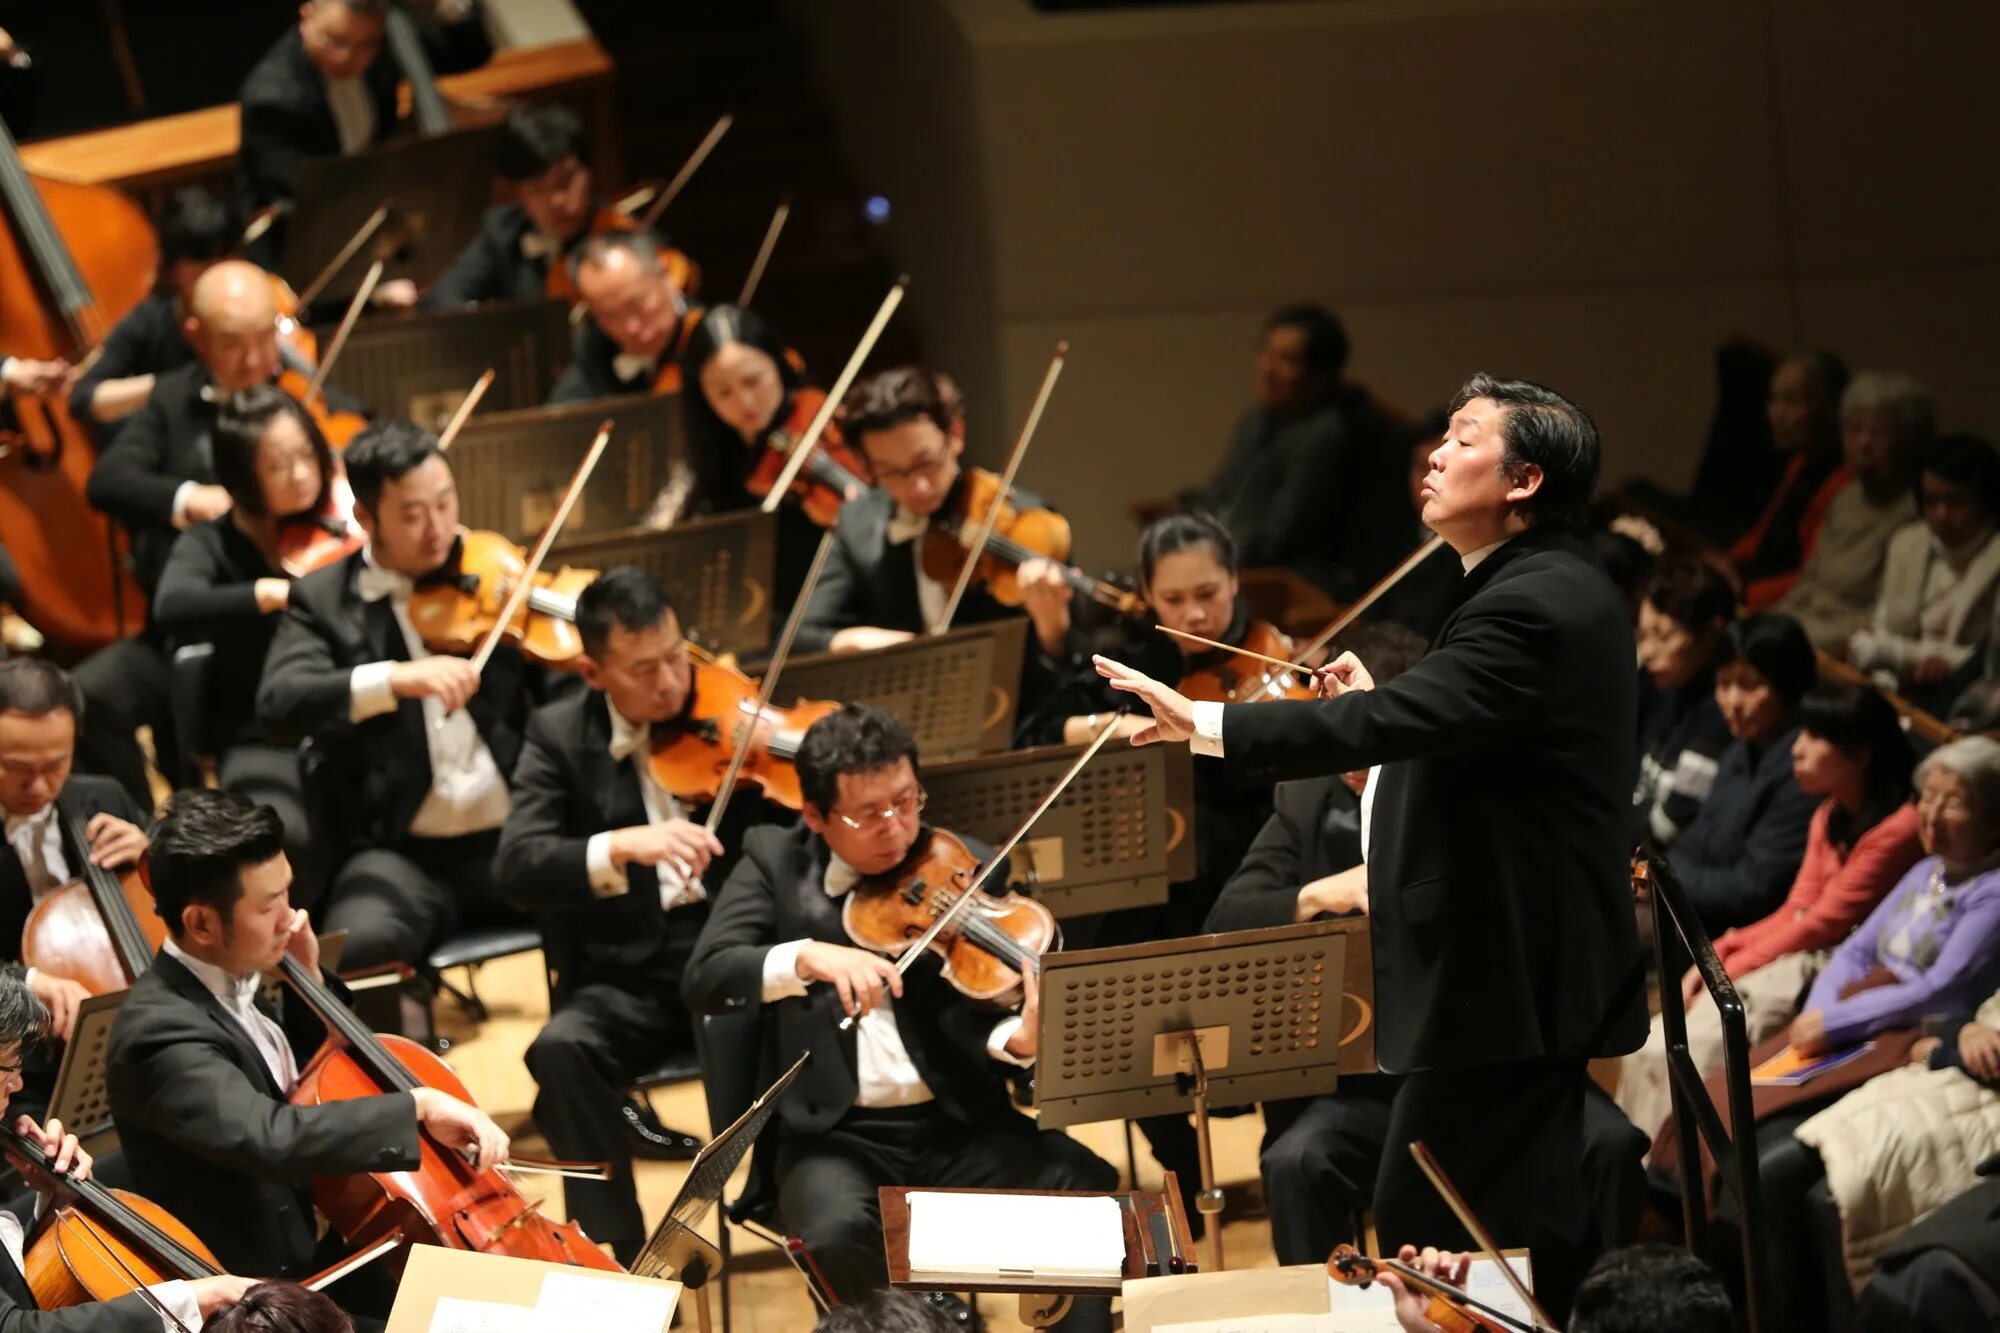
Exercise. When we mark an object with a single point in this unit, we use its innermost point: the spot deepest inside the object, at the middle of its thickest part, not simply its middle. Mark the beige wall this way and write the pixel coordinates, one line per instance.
(1587, 193)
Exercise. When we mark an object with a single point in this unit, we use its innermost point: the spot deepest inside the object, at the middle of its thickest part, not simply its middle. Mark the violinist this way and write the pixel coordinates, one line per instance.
(39, 708)
(915, 1096)
(639, 320)
(201, 1064)
(327, 88)
(224, 585)
(417, 745)
(23, 1021)
(617, 869)
(747, 387)
(1638, 1289)
(197, 230)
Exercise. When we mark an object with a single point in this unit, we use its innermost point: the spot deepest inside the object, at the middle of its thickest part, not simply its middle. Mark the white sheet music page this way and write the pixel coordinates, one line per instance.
(1037, 1235)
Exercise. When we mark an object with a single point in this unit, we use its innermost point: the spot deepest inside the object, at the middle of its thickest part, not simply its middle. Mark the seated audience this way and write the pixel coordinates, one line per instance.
(1943, 1274)
(1803, 408)
(1738, 854)
(1682, 612)
(1940, 576)
(1885, 423)
(1851, 752)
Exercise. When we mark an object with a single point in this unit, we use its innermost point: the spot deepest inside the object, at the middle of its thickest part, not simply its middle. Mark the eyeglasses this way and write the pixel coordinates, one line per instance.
(928, 465)
(902, 809)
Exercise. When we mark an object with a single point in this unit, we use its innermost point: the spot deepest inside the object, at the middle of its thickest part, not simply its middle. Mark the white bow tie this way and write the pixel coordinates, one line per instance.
(376, 583)
(627, 366)
(905, 526)
(539, 245)
(840, 876)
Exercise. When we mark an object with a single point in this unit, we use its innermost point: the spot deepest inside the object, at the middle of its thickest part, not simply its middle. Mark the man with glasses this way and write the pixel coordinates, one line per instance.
(639, 321)
(621, 876)
(914, 1093)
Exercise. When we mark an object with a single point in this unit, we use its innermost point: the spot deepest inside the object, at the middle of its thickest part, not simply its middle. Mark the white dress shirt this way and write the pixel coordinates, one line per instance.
(238, 996)
(178, 1297)
(468, 795)
(37, 841)
(884, 1073)
(353, 113)
(677, 889)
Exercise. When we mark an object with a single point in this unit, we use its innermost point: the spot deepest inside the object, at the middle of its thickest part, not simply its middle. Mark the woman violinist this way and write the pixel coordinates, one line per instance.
(226, 583)
(752, 403)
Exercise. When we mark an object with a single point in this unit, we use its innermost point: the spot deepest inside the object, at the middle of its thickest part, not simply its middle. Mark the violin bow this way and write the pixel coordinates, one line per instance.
(362, 235)
(1440, 1182)
(524, 583)
(1366, 600)
(1293, 667)
(464, 412)
(764, 254)
(347, 323)
(686, 173)
(810, 440)
(976, 548)
(915, 949)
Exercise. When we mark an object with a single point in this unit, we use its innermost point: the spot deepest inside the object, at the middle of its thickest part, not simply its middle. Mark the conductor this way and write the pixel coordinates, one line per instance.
(1498, 861)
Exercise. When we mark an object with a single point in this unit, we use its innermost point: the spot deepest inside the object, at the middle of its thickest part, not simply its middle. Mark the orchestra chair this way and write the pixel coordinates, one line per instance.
(729, 1046)
(188, 695)
(558, 953)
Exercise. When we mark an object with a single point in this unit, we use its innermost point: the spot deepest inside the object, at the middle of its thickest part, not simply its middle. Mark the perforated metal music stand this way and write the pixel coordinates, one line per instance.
(420, 364)
(718, 570)
(511, 467)
(1107, 842)
(956, 692)
(1210, 1021)
(79, 1099)
(437, 188)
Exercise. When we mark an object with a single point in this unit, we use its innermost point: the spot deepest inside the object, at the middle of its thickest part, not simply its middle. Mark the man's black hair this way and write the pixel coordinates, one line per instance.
(387, 451)
(1541, 427)
(536, 138)
(628, 598)
(1326, 338)
(1651, 1289)
(855, 738)
(23, 1017)
(38, 687)
(201, 847)
(198, 224)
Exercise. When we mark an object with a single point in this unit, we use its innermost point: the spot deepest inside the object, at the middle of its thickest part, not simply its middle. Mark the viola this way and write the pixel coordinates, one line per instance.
(1018, 535)
(990, 943)
(444, 1200)
(456, 613)
(101, 931)
(1222, 678)
(692, 759)
(1448, 1307)
(73, 260)
(834, 472)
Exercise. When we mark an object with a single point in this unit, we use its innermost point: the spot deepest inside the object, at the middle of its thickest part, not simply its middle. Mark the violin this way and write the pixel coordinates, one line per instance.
(1225, 679)
(834, 472)
(444, 1200)
(692, 759)
(101, 931)
(324, 536)
(455, 614)
(990, 943)
(337, 425)
(1450, 1309)
(1019, 535)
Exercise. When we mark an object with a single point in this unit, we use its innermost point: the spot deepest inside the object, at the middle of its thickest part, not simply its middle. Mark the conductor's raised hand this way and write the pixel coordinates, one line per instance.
(1173, 712)
(1343, 675)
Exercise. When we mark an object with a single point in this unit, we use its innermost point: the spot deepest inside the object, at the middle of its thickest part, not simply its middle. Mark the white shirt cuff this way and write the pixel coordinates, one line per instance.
(781, 972)
(606, 879)
(368, 692)
(996, 1043)
(1207, 738)
(181, 494)
(179, 1299)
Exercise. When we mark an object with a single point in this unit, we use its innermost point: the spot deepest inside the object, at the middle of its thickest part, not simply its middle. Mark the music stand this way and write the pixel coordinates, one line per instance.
(512, 467)
(1103, 845)
(718, 569)
(956, 692)
(436, 187)
(79, 1099)
(420, 364)
(1214, 1020)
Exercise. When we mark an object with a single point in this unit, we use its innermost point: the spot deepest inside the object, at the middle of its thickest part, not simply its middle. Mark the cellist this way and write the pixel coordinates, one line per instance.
(200, 1067)
(639, 320)
(22, 1023)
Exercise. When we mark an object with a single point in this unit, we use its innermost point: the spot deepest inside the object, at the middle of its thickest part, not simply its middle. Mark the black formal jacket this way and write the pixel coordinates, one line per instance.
(207, 594)
(593, 371)
(147, 341)
(777, 894)
(1499, 864)
(379, 772)
(210, 1137)
(1314, 830)
(168, 442)
(492, 268)
(18, 1314)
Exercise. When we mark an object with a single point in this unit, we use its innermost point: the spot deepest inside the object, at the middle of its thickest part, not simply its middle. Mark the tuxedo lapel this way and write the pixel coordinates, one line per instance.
(189, 987)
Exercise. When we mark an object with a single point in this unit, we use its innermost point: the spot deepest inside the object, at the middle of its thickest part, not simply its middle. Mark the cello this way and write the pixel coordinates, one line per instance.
(101, 931)
(73, 260)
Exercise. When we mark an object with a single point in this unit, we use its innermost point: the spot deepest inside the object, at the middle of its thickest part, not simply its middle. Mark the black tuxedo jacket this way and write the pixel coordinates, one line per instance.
(492, 268)
(379, 772)
(210, 1137)
(147, 341)
(777, 894)
(1499, 862)
(82, 796)
(19, 1314)
(869, 582)
(167, 442)
(1299, 843)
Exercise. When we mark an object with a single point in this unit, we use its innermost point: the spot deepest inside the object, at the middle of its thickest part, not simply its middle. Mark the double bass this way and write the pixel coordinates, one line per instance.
(73, 260)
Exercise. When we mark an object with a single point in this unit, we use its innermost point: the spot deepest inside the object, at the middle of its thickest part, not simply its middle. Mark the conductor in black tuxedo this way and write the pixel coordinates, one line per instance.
(1498, 865)
(23, 1024)
(620, 873)
(43, 802)
(201, 1066)
(912, 1094)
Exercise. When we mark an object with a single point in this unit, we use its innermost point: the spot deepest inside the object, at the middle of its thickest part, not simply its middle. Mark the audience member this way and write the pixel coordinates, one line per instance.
(1802, 410)
(1682, 612)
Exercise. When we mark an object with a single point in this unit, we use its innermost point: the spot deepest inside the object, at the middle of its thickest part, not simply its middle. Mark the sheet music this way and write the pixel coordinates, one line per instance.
(574, 1299)
(1038, 1234)
(454, 1314)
